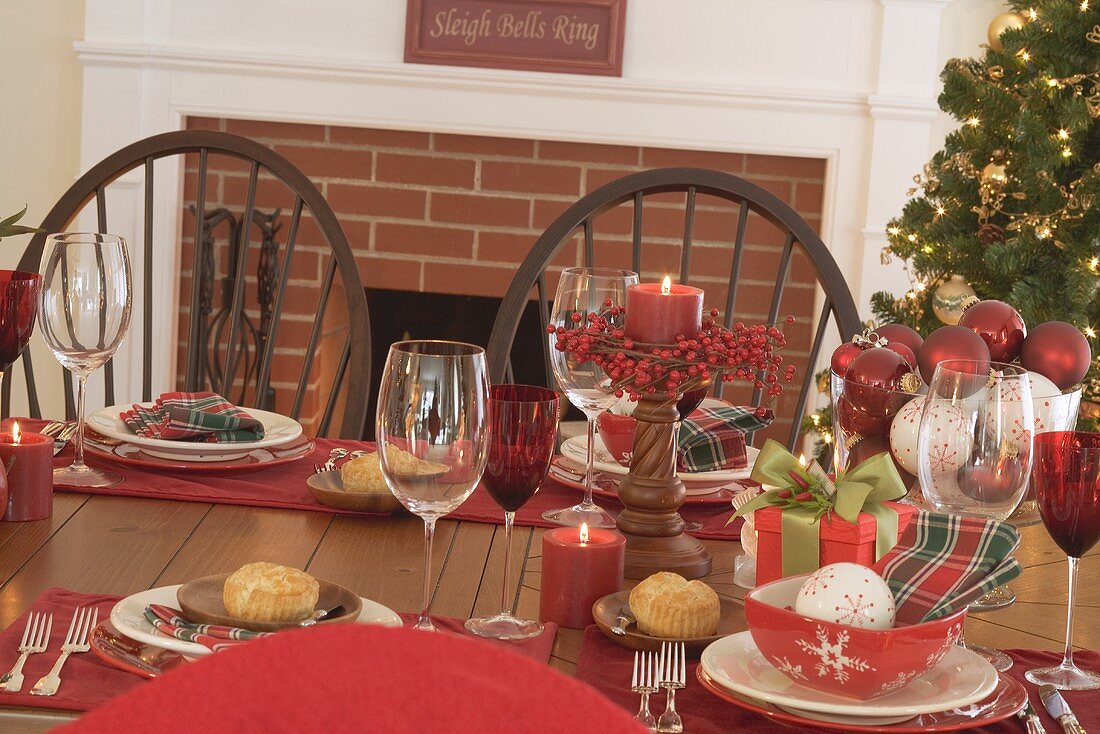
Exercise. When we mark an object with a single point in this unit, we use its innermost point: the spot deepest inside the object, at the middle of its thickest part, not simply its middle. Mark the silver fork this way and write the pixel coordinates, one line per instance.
(673, 676)
(61, 440)
(36, 637)
(52, 428)
(644, 681)
(76, 641)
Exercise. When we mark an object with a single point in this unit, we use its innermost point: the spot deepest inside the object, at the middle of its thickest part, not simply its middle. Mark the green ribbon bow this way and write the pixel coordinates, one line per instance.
(862, 489)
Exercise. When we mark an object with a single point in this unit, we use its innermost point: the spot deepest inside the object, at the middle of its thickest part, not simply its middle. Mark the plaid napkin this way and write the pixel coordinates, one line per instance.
(193, 416)
(169, 621)
(714, 438)
(944, 562)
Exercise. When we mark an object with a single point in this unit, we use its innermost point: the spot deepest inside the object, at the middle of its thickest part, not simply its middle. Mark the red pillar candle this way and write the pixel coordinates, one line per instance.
(579, 566)
(30, 479)
(657, 314)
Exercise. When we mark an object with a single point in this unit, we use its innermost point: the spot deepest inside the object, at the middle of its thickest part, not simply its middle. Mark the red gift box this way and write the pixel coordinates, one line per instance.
(841, 541)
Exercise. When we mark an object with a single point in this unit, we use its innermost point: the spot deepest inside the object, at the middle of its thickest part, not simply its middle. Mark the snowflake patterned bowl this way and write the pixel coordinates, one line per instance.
(846, 661)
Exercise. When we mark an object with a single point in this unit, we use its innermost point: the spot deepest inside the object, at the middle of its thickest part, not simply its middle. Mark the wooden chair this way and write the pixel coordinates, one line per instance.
(580, 219)
(353, 363)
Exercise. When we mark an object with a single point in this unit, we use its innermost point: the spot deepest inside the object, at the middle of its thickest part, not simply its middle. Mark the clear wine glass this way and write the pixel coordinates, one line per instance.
(433, 404)
(584, 291)
(975, 446)
(523, 425)
(1067, 487)
(85, 313)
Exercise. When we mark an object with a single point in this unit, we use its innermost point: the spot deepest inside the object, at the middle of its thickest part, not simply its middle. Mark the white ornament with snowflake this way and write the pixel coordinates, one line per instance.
(1050, 410)
(948, 426)
(829, 658)
(847, 594)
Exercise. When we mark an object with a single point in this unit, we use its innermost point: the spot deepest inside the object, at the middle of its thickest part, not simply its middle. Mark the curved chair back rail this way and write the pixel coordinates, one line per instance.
(354, 362)
(837, 304)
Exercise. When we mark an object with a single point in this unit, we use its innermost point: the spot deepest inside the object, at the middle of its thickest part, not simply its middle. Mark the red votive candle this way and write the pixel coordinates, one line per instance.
(30, 479)
(579, 565)
(658, 313)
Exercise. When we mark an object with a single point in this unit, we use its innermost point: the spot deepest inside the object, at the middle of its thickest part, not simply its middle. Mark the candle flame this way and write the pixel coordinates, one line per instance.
(802, 459)
(584, 532)
(666, 286)
(15, 432)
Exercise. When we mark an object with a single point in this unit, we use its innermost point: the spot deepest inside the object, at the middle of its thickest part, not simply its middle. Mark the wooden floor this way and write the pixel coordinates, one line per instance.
(113, 545)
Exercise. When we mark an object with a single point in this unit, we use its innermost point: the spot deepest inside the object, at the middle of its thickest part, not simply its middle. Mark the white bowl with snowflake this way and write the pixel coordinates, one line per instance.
(835, 658)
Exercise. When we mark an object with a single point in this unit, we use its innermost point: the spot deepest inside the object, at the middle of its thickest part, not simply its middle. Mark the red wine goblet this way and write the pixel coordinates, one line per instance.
(1067, 487)
(18, 309)
(523, 424)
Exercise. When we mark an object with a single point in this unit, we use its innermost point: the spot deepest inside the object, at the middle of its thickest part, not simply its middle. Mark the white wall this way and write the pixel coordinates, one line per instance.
(39, 125)
(853, 81)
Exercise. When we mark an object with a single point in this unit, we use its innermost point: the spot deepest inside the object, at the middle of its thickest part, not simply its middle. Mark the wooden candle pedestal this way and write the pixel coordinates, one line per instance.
(652, 495)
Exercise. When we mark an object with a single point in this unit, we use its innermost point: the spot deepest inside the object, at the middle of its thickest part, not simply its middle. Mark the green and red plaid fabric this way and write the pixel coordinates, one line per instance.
(193, 416)
(171, 622)
(943, 562)
(714, 438)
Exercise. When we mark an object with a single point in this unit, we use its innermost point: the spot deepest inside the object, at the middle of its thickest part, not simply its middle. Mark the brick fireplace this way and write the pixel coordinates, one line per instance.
(453, 215)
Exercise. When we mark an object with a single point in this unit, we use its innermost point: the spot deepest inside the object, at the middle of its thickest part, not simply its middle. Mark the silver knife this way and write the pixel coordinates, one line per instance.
(1031, 719)
(1057, 707)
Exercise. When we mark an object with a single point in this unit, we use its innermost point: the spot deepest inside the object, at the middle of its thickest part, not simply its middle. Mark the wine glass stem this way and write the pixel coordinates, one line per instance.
(509, 520)
(590, 460)
(81, 390)
(1067, 660)
(429, 535)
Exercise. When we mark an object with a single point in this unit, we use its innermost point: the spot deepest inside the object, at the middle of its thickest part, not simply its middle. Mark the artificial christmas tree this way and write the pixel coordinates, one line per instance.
(1010, 203)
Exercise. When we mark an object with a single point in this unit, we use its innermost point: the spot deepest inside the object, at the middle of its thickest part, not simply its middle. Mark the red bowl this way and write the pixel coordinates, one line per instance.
(846, 661)
(617, 434)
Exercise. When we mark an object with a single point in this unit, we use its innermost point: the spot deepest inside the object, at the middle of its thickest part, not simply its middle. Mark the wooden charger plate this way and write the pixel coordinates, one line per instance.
(606, 610)
(201, 601)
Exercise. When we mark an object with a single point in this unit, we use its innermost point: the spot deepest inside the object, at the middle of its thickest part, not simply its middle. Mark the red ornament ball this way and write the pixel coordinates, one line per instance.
(1057, 351)
(855, 422)
(999, 325)
(952, 342)
(900, 333)
(843, 356)
(906, 353)
(872, 377)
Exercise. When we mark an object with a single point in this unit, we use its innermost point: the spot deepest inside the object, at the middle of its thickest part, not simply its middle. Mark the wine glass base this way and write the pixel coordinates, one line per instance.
(998, 598)
(424, 624)
(1064, 678)
(85, 477)
(592, 514)
(998, 659)
(503, 627)
(1026, 515)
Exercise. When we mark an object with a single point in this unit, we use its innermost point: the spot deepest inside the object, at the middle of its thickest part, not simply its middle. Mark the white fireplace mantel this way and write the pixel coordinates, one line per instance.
(850, 81)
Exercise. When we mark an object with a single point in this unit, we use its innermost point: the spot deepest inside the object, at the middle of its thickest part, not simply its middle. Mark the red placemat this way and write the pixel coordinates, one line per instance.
(284, 487)
(87, 682)
(607, 668)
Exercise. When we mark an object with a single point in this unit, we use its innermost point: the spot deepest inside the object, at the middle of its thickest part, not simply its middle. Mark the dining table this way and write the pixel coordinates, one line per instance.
(122, 545)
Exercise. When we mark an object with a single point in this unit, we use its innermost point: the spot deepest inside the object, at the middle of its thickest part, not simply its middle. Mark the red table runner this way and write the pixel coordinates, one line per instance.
(607, 668)
(87, 682)
(284, 486)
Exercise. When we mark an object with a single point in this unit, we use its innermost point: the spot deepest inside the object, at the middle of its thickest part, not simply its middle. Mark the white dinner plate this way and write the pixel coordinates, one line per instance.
(575, 450)
(127, 617)
(959, 679)
(278, 429)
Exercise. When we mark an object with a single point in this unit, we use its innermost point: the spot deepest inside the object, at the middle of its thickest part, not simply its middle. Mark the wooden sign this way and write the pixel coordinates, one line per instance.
(572, 36)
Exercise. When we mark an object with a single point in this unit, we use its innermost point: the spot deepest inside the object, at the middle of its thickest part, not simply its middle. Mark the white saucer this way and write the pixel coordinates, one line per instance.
(959, 679)
(128, 618)
(278, 430)
(576, 451)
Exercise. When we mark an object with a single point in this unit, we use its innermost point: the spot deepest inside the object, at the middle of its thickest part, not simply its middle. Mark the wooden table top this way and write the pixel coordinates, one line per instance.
(113, 545)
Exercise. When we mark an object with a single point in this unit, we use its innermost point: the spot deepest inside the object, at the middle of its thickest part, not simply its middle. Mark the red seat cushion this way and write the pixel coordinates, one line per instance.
(356, 678)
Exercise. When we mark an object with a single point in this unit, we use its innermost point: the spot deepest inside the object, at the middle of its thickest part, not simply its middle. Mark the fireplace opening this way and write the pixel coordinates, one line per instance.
(397, 315)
